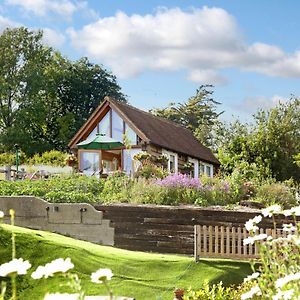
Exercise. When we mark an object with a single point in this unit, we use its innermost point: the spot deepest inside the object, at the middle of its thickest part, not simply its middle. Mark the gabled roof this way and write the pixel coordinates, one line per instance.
(155, 130)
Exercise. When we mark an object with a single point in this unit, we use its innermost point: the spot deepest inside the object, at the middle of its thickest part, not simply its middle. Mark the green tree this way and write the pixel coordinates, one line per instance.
(197, 114)
(270, 145)
(22, 57)
(44, 97)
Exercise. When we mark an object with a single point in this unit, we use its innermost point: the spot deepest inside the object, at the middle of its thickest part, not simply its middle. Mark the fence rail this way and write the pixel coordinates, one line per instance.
(227, 242)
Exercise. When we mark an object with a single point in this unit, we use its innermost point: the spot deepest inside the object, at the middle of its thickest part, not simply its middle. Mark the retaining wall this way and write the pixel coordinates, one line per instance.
(164, 229)
(80, 221)
(168, 229)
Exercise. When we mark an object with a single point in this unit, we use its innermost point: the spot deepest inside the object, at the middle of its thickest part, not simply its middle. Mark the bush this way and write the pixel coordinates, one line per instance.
(60, 189)
(10, 159)
(150, 170)
(276, 193)
(51, 158)
(216, 292)
(116, 188)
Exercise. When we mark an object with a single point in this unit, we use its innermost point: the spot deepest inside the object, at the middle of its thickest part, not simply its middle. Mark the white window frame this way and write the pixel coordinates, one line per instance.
(207, 165)
(168, 154)
(196, 166)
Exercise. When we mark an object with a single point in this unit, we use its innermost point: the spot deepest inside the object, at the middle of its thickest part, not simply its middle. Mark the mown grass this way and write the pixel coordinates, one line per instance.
(136, 274)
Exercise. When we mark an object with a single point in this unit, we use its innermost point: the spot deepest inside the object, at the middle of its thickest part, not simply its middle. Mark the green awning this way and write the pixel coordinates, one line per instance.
(100, 142)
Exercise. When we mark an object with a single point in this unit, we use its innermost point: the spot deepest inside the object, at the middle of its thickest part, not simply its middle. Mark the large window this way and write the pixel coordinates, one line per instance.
(93, 133)
(89, 162)
(104, 125)
(130, 165)
(206, 169)
(131, 135)
(117, 127)
(172, 161)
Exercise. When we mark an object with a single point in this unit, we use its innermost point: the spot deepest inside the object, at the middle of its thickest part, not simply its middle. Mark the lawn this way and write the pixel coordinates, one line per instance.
(137, 274)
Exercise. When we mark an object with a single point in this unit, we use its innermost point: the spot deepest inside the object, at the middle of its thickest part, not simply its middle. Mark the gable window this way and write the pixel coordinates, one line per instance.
(104, 125)
(172, 161)
(117, 127)
(207, 169)
(131, 135)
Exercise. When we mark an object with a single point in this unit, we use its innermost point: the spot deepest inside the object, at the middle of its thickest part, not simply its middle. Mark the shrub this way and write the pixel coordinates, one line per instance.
(52, 158)
(116, 187)
(150, 170)
(276, 193)
(216, 292)
(70, 197)
(10, 158)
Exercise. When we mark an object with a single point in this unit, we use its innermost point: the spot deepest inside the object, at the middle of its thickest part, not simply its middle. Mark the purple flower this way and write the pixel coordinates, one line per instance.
(179, 180)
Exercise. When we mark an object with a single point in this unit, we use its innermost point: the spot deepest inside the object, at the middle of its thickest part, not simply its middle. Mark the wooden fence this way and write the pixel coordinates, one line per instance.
(227, 242)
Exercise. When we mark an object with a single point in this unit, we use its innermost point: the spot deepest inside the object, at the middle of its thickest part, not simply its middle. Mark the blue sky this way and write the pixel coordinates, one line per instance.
(161, 51)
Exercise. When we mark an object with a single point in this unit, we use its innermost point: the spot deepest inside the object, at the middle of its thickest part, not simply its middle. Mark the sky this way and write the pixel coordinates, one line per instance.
(162, 51)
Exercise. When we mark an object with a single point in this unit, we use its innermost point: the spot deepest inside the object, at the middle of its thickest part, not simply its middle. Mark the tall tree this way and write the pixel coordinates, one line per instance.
(197, 114)
(22, 57)
(44, 97)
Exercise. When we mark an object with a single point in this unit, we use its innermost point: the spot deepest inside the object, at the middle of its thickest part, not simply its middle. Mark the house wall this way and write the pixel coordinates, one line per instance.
(158, 151)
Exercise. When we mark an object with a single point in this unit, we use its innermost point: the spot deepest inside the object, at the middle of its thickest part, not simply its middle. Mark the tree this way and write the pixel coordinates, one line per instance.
(271, 144)
(197, 114)
(44, 97)
(22, 57)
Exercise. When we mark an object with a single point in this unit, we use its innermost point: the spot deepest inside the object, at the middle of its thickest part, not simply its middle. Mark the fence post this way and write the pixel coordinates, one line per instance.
(197, 240)
(7, 173)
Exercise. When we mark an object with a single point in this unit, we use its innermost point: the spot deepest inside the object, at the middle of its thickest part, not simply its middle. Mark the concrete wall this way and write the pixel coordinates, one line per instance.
(80, 221)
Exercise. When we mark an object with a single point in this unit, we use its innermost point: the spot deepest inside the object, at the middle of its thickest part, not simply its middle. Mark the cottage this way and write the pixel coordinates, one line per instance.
(145, 133)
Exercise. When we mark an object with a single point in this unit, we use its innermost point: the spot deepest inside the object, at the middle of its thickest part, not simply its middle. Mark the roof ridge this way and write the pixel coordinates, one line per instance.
(150, 114)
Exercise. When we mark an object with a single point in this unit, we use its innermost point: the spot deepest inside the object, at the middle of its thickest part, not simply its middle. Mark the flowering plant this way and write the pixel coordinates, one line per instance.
(188, 166)
(179, 181)
(162, 159)
(142, 156)
(278, 276)
(71, 160)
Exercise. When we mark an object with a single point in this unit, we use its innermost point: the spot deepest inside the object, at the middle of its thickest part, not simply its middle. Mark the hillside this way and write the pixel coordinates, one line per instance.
(140, 275)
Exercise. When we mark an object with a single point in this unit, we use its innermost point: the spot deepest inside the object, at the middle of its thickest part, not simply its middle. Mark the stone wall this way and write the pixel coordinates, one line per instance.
(80, 221)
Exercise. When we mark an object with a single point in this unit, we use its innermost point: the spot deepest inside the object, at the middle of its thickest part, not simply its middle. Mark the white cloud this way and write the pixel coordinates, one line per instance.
(251, 104)
(53, 38)
(207, 76)
(41, 8)
(7, 23)
(50, 37)
(200, 41)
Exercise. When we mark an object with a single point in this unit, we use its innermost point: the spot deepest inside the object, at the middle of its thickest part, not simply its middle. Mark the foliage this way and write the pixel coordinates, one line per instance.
(52, 158)
(174, 189)
(276, 193)
(268, 148)
(215, 292)
(148, 170)
(115, 188)
(142, 156)
(9, 159)
(163, 271)
(197, 114)
(278, 276)
(35, 78)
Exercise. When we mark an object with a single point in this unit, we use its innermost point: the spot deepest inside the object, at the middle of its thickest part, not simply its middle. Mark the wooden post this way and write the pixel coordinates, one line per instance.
(197, 239)
(7, 171)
